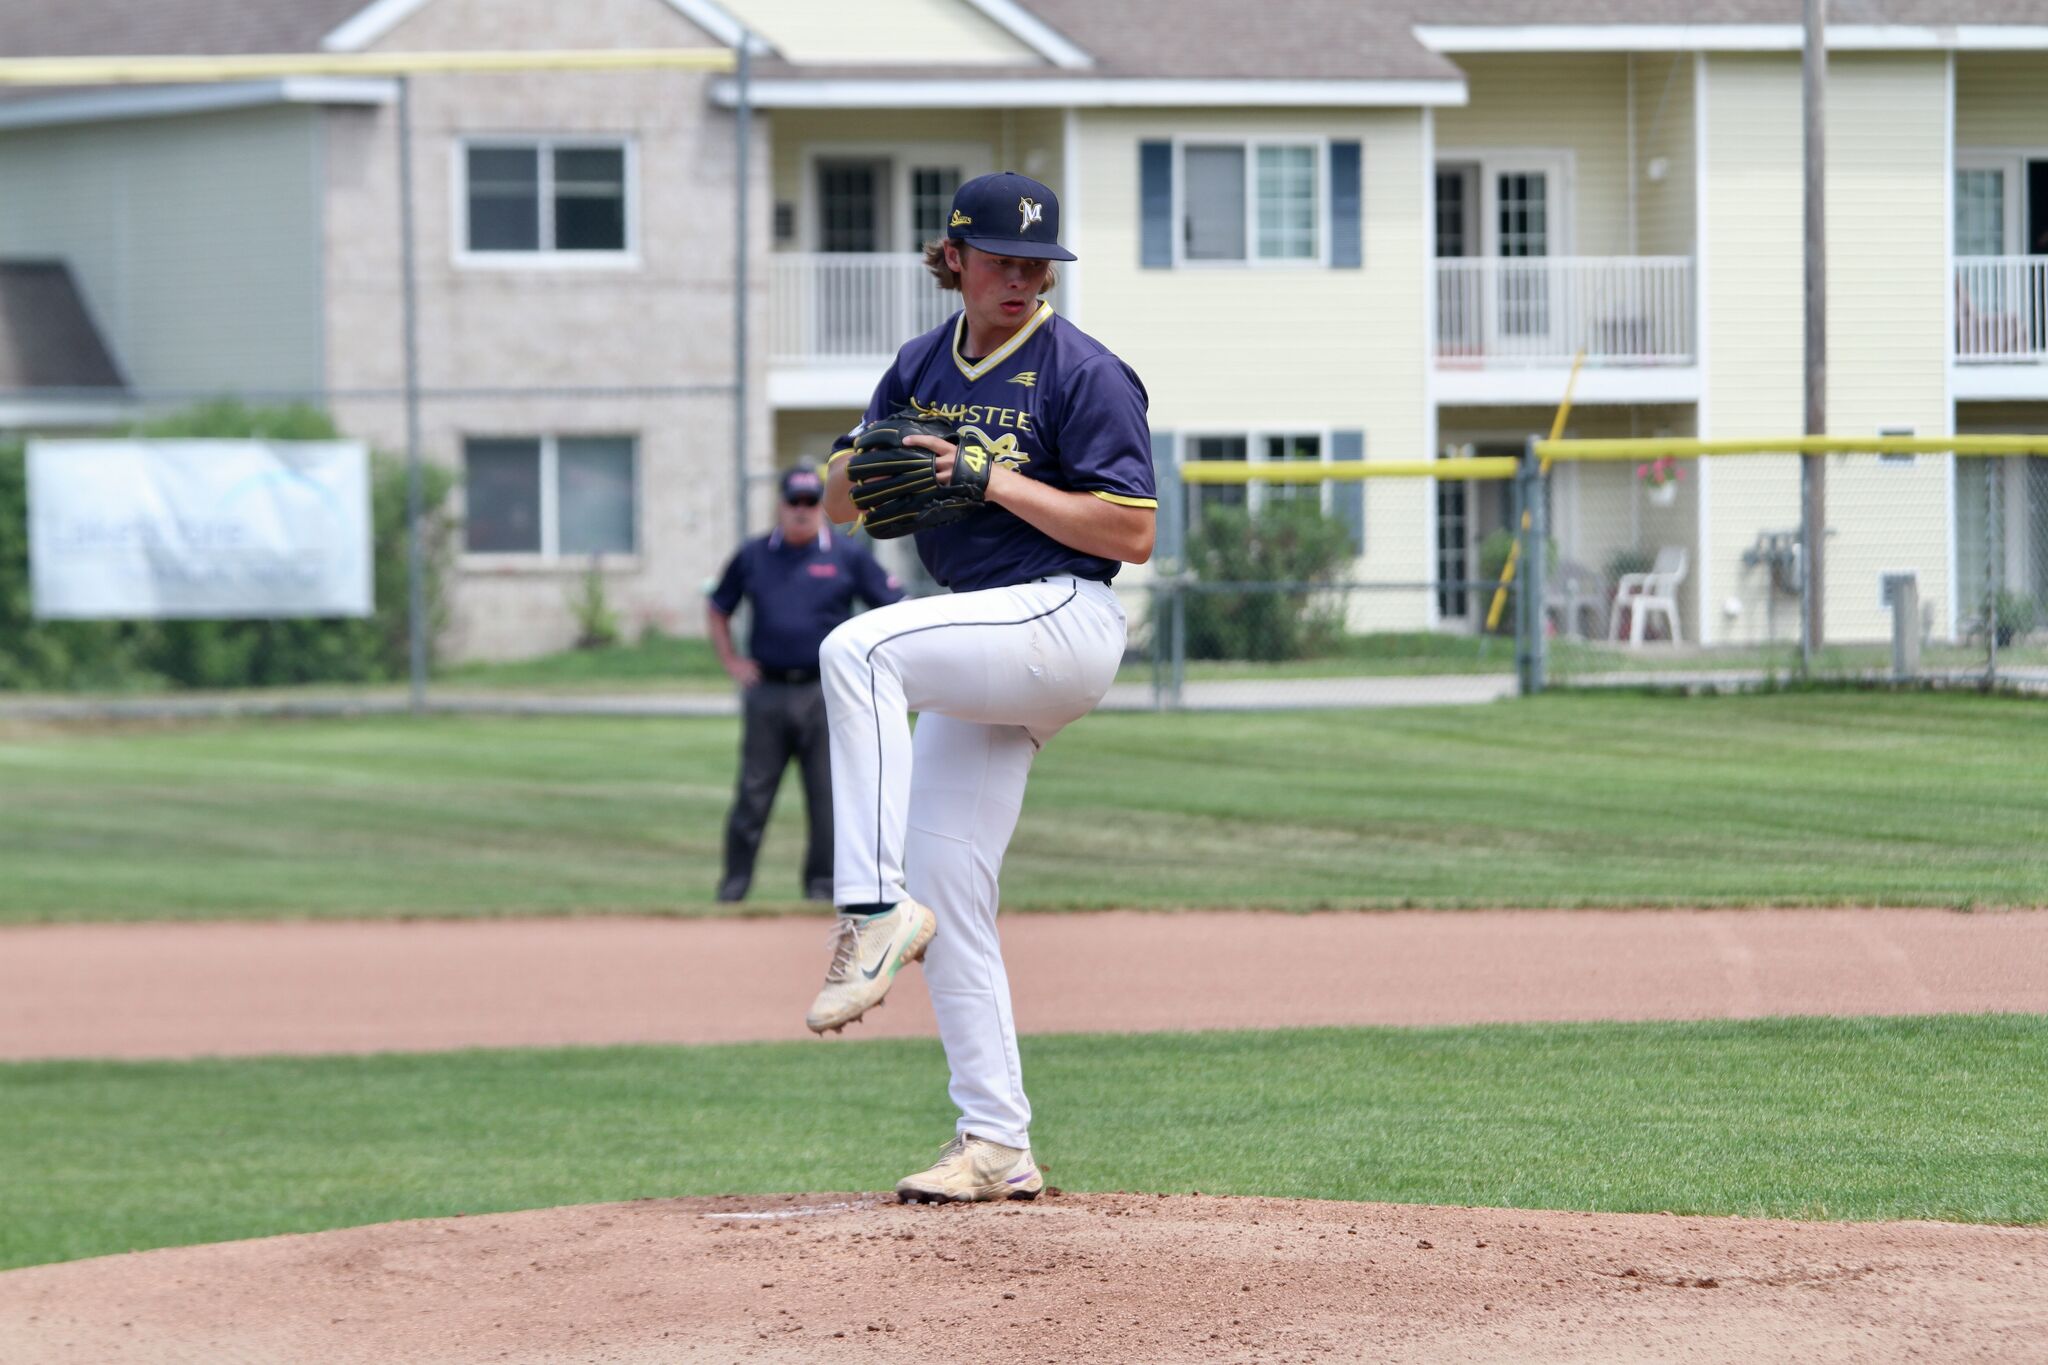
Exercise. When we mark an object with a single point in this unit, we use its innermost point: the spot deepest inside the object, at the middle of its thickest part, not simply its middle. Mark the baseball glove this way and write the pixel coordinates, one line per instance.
(896, 487)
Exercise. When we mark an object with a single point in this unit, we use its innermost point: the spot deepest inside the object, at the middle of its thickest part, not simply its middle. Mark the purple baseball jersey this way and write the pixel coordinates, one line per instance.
(1055, 405)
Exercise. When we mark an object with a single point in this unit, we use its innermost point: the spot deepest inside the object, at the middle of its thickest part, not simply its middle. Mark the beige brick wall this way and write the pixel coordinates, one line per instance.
(664, 322)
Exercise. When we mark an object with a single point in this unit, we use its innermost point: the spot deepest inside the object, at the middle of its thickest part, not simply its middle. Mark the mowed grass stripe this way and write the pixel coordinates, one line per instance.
(1932, 1117)
(1559, 801)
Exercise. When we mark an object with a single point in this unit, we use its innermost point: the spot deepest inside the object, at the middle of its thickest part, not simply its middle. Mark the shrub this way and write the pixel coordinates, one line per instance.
(597, 625)
(1288, 542)
(108, 655)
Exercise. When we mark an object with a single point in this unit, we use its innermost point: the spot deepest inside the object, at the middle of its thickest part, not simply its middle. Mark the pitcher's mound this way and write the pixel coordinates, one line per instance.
(1069, 1278)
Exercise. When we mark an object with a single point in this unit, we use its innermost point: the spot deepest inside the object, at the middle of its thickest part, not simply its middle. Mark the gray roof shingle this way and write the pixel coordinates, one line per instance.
(1143, 39)
(102, 28)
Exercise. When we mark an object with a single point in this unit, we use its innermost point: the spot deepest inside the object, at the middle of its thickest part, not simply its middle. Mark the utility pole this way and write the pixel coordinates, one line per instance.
(743, 134)
(1813, 470)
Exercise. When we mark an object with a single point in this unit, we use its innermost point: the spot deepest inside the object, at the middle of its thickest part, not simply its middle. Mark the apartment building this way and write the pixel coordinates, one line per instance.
(1374, 232)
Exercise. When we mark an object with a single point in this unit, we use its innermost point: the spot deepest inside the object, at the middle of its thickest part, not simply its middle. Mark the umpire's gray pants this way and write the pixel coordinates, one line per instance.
(781, 721)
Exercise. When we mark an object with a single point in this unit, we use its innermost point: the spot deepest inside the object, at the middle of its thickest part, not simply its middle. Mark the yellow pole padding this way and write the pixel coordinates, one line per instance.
(1302, 471)
(1514, 559)
(1690, 448)
(181, 70)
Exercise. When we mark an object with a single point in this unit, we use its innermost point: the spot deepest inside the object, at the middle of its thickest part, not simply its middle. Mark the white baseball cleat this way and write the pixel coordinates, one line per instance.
(972, 1168)
(867, 952)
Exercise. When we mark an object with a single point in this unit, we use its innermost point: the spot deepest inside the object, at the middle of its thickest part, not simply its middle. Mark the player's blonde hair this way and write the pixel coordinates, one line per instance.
(949, 278)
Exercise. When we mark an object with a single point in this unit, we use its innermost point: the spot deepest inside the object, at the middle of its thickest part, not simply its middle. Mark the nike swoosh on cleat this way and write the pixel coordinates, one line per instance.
(1018, 1179)
(872, 972)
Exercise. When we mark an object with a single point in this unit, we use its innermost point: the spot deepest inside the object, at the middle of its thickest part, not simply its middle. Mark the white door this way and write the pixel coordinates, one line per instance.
(1521, 223)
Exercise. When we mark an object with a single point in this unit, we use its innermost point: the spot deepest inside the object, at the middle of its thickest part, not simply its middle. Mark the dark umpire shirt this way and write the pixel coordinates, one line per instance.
(800, 593)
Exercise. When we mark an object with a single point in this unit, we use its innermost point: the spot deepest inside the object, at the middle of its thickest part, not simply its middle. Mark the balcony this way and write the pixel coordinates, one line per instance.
(836, 320)
(2000, 348)
(1507, 327)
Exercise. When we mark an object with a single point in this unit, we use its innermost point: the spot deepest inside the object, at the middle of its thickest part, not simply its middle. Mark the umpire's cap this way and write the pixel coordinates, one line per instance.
(802, 484)
(1007, 214)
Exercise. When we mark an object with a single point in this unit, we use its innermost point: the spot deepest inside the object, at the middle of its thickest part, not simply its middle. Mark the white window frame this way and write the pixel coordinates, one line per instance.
(546, 256)
(1251, 143)
(973, 159)
(550, 557)
(2011, 164)
(1255, 439)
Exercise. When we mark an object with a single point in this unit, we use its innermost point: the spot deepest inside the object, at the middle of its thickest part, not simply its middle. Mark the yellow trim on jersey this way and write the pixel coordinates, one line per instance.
(843, 450)
(1000, 353)
(1121, 501)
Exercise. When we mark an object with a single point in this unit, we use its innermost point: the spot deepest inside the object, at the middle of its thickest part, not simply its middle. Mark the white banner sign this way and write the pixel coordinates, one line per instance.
(132, 529)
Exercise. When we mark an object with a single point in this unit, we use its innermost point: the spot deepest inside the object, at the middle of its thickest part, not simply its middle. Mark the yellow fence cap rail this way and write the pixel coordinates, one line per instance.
(260, 66)
(1690, 448)
(1348, 471)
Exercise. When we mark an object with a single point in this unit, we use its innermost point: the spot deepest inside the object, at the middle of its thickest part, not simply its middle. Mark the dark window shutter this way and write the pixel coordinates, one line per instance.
(1155, 205)
(1348, 497)
(1347, 211)
(1171, 523)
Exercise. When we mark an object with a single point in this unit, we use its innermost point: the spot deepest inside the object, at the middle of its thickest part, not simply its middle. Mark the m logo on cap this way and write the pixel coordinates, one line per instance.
(1032, 211)
(959, 219)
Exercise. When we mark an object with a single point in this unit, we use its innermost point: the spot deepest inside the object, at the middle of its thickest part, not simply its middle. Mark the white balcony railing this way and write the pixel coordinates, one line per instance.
(2001, 309)
(1542, 310)
(849, 306)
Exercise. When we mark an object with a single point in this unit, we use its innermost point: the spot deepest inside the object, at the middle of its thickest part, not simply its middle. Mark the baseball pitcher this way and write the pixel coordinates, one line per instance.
(1014, 447)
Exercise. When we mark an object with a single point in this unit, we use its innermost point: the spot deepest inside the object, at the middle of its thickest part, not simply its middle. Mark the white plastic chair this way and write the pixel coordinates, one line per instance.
(1572, 594)
(1640, 594)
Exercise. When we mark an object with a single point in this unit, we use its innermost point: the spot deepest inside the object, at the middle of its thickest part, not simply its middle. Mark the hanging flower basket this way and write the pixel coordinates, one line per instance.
(1660, 478)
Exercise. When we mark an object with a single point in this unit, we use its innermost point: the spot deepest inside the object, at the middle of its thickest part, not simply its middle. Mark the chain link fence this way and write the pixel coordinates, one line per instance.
(1661, 568)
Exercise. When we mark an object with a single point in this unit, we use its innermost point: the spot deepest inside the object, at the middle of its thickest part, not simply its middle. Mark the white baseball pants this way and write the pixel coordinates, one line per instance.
(993, 675)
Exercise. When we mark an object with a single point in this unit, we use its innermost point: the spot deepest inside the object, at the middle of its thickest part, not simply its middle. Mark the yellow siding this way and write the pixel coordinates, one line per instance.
(833, 31)
(1555, 103)
(1664, 134)
(1887, 356)
(809, 433)
(1752, 224)
(2002, 100)
(1230, 349)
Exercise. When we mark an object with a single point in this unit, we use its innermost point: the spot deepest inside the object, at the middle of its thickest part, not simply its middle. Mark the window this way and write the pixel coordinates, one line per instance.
(1283, 449)
(1451, 532)
(1246, 201)
(547, 198)
(1980, 212)
(851, 208)
(549, 496)
(1261, 448)
(1201, 497)
(931, 201)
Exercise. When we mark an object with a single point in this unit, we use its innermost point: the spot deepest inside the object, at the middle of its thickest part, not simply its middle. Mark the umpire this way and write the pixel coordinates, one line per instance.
(802, 581)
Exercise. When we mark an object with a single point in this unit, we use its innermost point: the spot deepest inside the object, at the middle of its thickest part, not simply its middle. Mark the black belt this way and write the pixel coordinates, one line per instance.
(787, 675)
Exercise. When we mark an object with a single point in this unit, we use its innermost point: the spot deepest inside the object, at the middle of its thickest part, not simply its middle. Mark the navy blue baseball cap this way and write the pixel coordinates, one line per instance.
(1008, 214)
(802, 483)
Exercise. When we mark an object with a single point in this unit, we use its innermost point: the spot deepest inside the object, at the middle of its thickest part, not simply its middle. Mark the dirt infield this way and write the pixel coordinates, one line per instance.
(180, 990)
(1074, 1278)
(1071, 1277)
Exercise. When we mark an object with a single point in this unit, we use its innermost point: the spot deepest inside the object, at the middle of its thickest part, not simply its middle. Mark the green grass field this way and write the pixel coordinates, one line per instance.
(1815, 1118)
(1565, 800)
